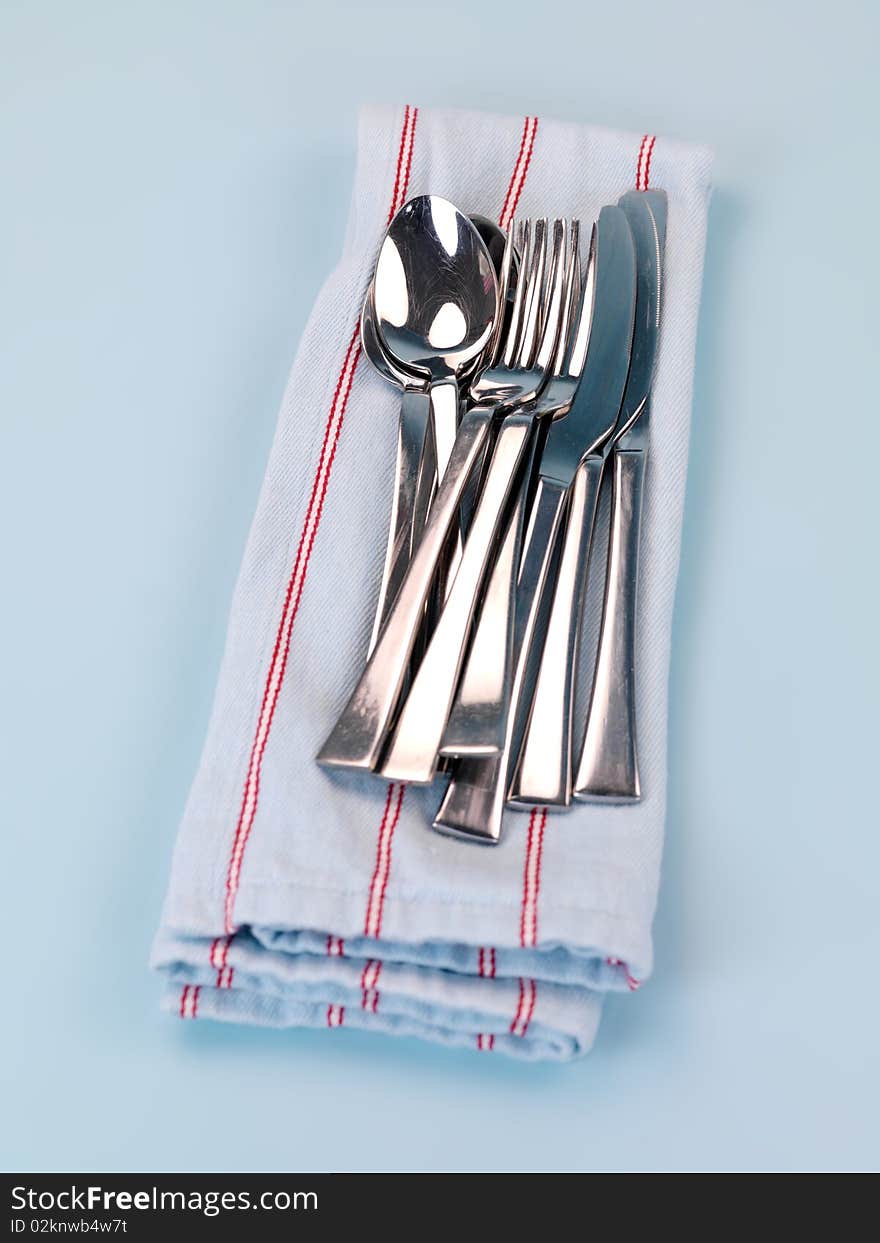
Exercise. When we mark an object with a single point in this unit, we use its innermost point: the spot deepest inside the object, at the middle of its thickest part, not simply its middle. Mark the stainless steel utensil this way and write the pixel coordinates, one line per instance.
(608, 764)
(515, 381)
(473, 804)
(412, 425)
(357, 739)
(505, 263)
(415, 468)
(477, 725)
(474, 801)
(435, 299)
(359, 735)
(570, 474)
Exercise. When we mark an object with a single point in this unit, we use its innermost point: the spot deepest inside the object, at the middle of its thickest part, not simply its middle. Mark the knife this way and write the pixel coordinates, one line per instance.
(608, 765)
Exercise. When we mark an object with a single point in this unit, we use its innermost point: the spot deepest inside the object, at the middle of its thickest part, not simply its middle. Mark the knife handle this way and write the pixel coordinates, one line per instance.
(543, 773)
(357, 738)
(608, 767)
(412, 755)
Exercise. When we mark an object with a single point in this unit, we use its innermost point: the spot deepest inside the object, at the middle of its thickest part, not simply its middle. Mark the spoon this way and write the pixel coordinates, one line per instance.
(415, 468)
(493, 239)
(435, 299)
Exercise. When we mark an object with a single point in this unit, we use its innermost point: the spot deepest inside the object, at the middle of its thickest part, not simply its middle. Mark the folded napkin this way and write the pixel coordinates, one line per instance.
(304, 897)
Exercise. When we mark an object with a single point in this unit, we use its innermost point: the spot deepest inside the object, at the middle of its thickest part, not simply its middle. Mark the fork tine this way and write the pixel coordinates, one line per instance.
(571, 300)
(576, 352)
(534, 296)
(516, 314)
(554, 298)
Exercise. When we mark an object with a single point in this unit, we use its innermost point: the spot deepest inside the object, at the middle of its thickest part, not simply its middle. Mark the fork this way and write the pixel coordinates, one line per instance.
(473, 804)
(513, 384)
(477, 723)
(359, 736)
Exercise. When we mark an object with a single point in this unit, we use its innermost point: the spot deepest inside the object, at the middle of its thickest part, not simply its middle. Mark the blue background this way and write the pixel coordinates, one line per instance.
(175, 179)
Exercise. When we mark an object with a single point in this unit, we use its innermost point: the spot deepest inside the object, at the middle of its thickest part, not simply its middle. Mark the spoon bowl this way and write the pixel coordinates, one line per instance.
(435, 292)
(494, 240)
(374, 351)
(493, 237)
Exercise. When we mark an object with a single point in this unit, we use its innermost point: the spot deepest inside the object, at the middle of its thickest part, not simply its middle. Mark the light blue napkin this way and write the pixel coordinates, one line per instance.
(308, 898)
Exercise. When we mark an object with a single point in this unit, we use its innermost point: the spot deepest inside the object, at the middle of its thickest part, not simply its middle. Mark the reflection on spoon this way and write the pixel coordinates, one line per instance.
(448, 327)
(391, 276)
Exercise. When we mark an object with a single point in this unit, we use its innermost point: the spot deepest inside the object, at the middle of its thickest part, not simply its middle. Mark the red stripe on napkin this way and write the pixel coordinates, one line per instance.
(528, 991)
(382, 869)
(520, 172)
(335, 1016)
(486, 968)
(528, 923)
(219, 956)
(404, 161)
(278, 663)
(643, 163)
(486, 957)
(369, 981)
(189, 1001)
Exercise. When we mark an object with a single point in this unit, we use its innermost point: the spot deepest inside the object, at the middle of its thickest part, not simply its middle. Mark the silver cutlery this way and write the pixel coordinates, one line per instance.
(435, 302)
(570, 473)
(474, 801)
(413, 461)
(608, 764)
(415, 472)
(478, 721)
(520, 381)
(359, 736)
(514, 382)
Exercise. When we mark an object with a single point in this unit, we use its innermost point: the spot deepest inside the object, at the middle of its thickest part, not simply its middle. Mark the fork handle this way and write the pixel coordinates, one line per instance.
(609, 765)
(473, 805)
(543, 773)
(357, 738)
(412, 755)
(477, 725)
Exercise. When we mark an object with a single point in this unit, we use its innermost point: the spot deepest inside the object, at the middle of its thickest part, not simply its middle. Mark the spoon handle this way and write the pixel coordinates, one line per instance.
(445, 409)
(358, 736)
(444, 415)
(411, 429)
(412, 755)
